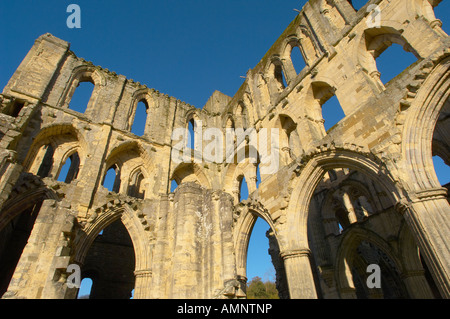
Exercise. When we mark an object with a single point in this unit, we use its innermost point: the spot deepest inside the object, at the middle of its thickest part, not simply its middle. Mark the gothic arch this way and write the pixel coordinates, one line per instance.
(290, 43)
(83, 73)
(421, 119)
(136, 227)
(290, 145)
(312, 173)
(234, 173)
(310, 49)
(276, 75)
(65, 140)
(247, 213)
(29, 191)
(190, 172)
(142, 95)
(128, 157)
(374, 41)
(346, 254)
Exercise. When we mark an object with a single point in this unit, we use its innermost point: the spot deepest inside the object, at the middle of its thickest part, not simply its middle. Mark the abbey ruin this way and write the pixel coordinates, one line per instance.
(363, 193)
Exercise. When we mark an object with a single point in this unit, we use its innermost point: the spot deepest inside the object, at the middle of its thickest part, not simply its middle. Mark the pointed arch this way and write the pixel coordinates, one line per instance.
(312, 173)
(346, 259)
(126, 158)
(190, 172)
(80, 74)
(140, 111)
(248, 213)
(105, 216)
(51, 148)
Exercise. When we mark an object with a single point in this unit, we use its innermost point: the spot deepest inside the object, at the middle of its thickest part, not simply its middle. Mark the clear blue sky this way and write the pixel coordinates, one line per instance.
(187, 49)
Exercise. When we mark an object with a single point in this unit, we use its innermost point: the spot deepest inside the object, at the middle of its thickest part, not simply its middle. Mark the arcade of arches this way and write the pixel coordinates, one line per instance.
(80, 186)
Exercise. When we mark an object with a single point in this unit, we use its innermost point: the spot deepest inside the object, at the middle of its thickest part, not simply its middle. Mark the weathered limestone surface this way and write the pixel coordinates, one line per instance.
(364, 192)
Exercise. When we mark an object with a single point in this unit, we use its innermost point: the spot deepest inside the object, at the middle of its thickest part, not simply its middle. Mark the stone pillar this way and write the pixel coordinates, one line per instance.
(41, 270)
(427, 216)
(143, 280)
(349, 207)
(277, 261)
(417, 285)
(299, 273)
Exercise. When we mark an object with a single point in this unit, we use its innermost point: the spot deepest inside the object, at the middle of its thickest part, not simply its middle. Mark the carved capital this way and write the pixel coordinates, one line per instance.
(302, 252)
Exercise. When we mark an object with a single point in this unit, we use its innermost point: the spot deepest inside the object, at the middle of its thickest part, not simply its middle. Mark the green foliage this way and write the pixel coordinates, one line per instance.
(257, 289)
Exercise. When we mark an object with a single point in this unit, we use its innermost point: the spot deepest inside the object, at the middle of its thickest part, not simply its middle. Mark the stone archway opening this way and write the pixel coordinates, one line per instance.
(110, 264)
(13, 239)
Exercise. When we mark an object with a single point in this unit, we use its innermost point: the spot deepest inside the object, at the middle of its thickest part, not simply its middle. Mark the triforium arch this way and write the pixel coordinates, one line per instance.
(244, 163)
(128, 159)
(136, 225)
(295, 239)
(52, 147)
(190, 172)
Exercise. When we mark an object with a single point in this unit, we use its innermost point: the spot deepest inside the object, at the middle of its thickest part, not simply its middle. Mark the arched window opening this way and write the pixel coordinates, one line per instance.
(297, 59)
(84, 291)
(243, 189)
(290, 143)
(191, 134)
(332, 112)
(140, 119)
(13, 239)
(393, 61)
(81, 97)
(112, 256)
(70, 169)
(136, 188)
(308, 45)
(112, 179)
(324, 107)
(47, 161)
(173, 185)
(261, 273)
(358, 4)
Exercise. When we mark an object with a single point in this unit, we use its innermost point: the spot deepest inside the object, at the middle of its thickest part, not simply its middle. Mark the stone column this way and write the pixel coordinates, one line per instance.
(143, 280)
(299, 273)
(427, 216)
(417, 285)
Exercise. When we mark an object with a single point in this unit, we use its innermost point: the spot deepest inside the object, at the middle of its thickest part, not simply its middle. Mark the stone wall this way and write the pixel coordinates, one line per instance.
(364, 188)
